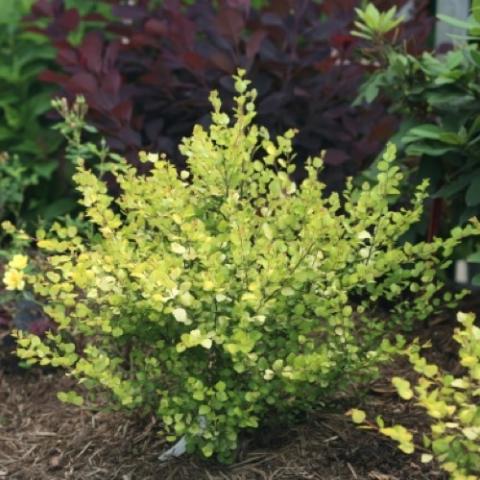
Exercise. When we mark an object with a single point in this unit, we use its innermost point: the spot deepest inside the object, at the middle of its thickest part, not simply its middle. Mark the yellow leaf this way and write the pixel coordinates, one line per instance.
(358, 416)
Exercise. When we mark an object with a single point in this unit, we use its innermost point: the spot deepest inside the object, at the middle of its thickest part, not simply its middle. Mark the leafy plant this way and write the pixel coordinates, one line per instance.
(373, 24)
(218, 296)
(74, 128)
(438, 97)
(451, 404)
(15, 179)
(18, 308)
(24, 100)
(146, 77)
(36, 158)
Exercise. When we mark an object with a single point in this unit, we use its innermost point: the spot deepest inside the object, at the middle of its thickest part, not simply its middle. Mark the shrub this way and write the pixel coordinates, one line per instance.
(24, 100)
(437, 96)
(451, 404)
(219, 296)
(147, 80)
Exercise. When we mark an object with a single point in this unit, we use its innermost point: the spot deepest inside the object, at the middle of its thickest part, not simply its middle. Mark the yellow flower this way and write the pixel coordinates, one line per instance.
(18, 262)
(14, 280)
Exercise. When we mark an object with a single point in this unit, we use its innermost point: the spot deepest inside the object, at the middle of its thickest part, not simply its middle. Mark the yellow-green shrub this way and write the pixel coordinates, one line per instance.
(451, 403)
(216, 297)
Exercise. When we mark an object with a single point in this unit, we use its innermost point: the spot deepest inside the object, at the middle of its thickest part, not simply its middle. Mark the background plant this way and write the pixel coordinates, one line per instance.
(18, 310)
(146, 75)
(219, 296)
(15, 180)
(40, 176)
(35, 175)
(437, 95)
(146, 86)
(24, 100)
(451, 404)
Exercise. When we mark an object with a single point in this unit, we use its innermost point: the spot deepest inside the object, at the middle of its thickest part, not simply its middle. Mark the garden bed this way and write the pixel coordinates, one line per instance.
(41, 438)
(244, 277)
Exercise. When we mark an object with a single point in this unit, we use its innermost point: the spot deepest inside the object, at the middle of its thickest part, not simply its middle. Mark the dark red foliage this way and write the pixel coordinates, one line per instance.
(147, 76)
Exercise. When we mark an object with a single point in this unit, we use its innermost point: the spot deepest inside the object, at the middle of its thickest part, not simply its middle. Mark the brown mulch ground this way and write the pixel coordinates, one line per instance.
(40, 438)
(43, 439)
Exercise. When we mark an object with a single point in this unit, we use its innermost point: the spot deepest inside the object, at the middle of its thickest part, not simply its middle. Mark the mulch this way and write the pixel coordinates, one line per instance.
(43, 439)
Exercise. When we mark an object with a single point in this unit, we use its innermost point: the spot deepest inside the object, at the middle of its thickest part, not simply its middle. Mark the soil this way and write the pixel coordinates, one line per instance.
(43, 439)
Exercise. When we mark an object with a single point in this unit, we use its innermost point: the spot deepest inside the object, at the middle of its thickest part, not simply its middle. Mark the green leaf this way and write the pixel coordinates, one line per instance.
(58, 208)
(380, 421)
(476, 280)
(419, 149)
(198, 395)
(204, 410)
(407, 447)
(45, 169)
(472, 197)
(428, 131)
(400, 434)
(181, 316)
(370, 89)
(454, 187)
(70, 397)
(358, 416)
(403, 388)
(452, 138)
(474, 257)
(207, 450)
(12, 10)
(476, 10)
(455, 22)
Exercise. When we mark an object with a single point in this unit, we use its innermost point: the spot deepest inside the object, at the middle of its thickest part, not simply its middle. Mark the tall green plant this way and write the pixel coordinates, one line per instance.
(439, 99)
(24, 100)
(219, 296)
